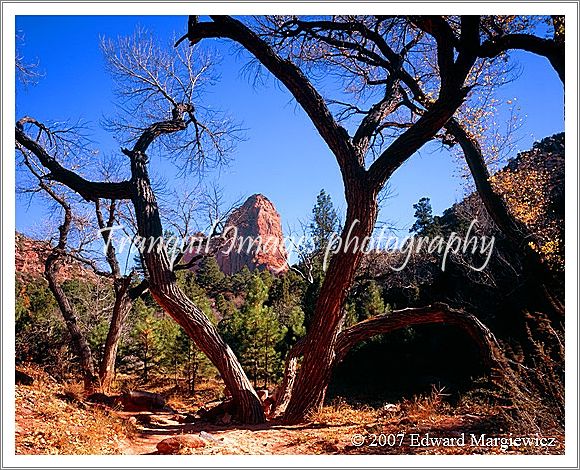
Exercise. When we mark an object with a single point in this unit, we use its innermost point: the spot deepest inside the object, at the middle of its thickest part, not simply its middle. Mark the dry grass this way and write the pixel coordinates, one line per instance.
(51, 418)
(176, 393)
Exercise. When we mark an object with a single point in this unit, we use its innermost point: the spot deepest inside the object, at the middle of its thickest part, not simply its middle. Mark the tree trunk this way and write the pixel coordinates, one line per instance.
(284, 392)
(319, 348)
(543, 284)
(78, 340)
(163, 287)
(486, 342)
(121, 309)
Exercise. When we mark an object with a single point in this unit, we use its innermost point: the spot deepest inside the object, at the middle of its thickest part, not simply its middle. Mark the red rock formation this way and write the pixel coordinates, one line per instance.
(257, 239)
(30, 255)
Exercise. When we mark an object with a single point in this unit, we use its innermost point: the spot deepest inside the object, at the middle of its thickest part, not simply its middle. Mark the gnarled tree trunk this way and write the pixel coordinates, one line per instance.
(490, 350)
(121, 309)
(163, 287)
(78, 340)
(284, 391)
(319, 349)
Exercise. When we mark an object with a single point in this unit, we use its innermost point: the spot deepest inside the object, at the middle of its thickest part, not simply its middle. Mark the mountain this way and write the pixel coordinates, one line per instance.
(257, 242)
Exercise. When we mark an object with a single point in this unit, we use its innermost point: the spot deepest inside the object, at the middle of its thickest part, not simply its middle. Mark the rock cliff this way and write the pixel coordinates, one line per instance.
(256, 239)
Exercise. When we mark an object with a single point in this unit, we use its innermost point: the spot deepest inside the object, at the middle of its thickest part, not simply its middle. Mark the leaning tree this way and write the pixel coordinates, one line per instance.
(368, 156)
(159, 89)
(410, 77)
(165, 111)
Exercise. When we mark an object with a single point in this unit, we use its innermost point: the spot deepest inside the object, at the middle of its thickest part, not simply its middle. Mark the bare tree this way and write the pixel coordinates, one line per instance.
(162, 97)
(54, 260)
(27, 73)
(385, 45)
(125, 292)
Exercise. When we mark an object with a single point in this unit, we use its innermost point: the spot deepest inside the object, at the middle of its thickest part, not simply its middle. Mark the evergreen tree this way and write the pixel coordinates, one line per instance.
(145, 338)
(225, 308)
(255, 333)
(285, 298)
(324, 222)
(241, 280)
(210, 276)
(425, 224)
(194, 362)
(423, 216)
(370, 301)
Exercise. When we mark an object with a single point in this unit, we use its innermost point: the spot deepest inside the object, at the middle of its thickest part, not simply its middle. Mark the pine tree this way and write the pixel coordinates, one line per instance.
(145, 337)
(370, 301)
(425, 224)
(423, 216)
(210, 276)
(241, 280)
(195, 363)
(324, 221)
(255, 333)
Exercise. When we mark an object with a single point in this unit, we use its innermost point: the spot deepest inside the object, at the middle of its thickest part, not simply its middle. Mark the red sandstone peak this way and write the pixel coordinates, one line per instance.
(259, 241)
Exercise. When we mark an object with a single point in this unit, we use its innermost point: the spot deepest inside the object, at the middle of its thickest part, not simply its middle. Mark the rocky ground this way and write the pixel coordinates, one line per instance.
(51, 419)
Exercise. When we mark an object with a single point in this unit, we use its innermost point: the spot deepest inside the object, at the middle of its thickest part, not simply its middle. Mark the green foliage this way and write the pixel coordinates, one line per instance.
(241, 280)
(145, 339)
(225, 308)
(285, 298)
(210, 277)
(370, 301)
(324, 221)
(188, 282)
(41, 335)
(426, 224)
(309, 299)
(255, 333)
(423, 216)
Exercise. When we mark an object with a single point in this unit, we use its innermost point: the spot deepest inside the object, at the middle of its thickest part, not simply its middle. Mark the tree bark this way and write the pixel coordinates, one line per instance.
(319, 348)
(51, 267)
(163, 287)
(162, 279)
(284, 392)
(78, 340)
(121, 309)
(486, 342)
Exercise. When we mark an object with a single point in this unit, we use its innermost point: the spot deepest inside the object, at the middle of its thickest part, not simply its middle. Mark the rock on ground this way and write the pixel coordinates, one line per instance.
(173, 445)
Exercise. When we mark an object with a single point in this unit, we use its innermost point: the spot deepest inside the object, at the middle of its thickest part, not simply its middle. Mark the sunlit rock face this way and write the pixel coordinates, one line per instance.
(253, 238)
(30, 256)
(258, 239)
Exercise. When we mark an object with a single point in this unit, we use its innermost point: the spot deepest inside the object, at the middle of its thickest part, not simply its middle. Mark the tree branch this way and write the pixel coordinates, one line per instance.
(89, 190)
(433, 314)
(105, 229)
(291, 76)
(548, 48)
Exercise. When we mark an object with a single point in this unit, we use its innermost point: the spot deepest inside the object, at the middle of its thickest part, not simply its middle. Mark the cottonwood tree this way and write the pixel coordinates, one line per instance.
(319, 42)
(124, 288)
(160, 91)
(384, 136)
(500, 35)
(349, 45)
(366, 158)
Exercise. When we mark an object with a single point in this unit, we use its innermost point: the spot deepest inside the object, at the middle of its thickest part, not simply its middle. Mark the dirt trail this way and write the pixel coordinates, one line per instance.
(269, 438)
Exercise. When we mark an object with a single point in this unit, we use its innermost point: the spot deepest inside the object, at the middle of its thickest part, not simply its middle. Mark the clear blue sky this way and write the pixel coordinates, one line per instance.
(282, 157)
